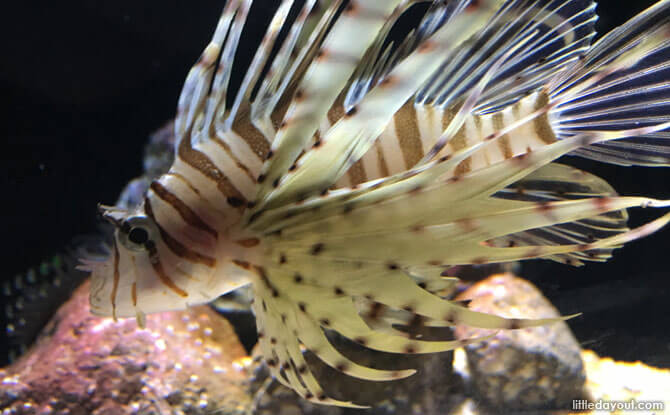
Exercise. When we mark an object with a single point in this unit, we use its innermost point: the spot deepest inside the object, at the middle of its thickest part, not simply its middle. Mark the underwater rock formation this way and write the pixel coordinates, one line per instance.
(183, 362)
(435, 389)
(607, 381)
(516, 370)
(191, 362)
(537, 367)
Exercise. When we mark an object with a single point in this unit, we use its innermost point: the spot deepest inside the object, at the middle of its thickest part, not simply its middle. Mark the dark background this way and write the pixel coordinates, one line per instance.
(83, 84)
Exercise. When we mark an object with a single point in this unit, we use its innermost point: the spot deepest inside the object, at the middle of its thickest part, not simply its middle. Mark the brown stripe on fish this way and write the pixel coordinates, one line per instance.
(478, 124)
(503, 141)
(243, 126)
(115, 285)
(383, 167)
(464, 166)
(277, 116)
(202, 163)
(133, 294)
(458, 142)
(516, 109)
(175, 246)
(459, 139)
(212, 212)
(541, 123)
(409, 136)
(160, 271)
(238, 163)
(448, 115)
(184, 210)
(249, 242)
(336, 111)
(185, 181)
(356, 173)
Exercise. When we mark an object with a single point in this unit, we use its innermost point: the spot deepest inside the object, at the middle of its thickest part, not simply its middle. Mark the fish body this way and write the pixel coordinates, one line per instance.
(347, 174)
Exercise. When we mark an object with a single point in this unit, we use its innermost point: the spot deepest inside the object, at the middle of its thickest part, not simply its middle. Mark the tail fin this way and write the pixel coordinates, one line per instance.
(623, 82)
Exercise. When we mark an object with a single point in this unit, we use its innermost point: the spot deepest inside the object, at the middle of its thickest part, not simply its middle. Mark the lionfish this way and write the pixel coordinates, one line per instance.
(350, 170)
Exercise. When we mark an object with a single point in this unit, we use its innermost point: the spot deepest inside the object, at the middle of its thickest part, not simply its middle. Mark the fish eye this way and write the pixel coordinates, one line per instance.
(138, 235)
(136, 232)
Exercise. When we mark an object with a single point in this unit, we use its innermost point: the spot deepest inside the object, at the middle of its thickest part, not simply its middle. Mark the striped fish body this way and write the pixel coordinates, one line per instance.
(416, 128)
(345, 176)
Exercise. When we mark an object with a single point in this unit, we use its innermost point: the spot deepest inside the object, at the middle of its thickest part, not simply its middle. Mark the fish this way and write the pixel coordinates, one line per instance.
(350, 170)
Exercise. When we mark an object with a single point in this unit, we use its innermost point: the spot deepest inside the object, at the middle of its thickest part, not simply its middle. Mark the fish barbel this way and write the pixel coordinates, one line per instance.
(348, 172)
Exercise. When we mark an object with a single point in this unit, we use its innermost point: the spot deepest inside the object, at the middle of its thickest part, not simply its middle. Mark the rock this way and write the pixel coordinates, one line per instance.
(433, 390)
(184, 362)
(529, 368)
(608, 381)
(190, 362)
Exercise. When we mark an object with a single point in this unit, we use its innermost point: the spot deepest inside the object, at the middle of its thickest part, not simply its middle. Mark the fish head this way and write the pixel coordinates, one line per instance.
(133, 279)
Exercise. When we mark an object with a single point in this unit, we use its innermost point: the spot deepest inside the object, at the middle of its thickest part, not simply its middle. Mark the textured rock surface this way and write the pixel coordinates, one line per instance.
(530, 368)
(191, 362)
(607, 381)
(434, 389)
(183, 362)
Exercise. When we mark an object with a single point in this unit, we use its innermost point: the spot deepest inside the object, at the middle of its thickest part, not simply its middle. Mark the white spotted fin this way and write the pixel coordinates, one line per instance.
(555, 182)
(365, 247)
(327, 75)
(342, 145)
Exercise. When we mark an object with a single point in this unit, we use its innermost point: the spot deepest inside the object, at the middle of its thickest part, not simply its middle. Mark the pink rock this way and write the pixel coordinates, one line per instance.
(183, 361)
